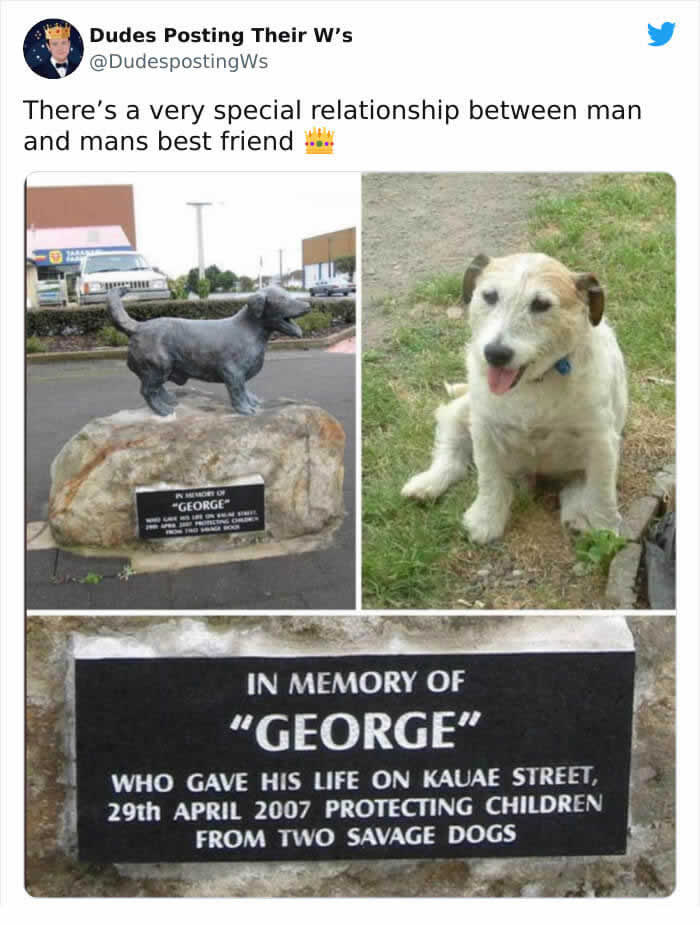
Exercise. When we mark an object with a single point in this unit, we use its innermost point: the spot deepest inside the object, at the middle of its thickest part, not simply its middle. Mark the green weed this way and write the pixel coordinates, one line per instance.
(598, 548)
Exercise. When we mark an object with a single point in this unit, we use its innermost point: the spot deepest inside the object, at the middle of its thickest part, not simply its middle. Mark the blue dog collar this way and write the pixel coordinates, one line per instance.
(563, 366)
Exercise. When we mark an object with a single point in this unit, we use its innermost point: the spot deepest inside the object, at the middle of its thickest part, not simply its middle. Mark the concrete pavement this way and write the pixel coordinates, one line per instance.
(63, 397)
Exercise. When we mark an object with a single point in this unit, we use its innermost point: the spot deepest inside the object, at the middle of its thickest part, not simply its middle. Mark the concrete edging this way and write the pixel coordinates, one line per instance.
(621, 590)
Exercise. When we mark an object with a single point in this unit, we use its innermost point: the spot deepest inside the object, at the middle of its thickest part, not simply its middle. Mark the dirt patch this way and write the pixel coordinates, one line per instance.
(533, 567)
(404, 241)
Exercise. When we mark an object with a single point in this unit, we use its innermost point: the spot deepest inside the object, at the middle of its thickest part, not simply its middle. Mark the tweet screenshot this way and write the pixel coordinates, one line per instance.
(350, 411)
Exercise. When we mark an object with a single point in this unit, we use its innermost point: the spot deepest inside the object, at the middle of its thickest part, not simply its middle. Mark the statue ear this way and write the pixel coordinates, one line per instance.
(256, 305)
(471, 276)
(592, 292)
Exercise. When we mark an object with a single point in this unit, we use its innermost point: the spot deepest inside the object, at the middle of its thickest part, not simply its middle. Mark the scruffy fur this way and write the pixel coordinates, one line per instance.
(519, 414)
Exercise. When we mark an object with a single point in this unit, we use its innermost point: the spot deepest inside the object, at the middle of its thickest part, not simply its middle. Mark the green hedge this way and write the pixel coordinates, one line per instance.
(54, 322)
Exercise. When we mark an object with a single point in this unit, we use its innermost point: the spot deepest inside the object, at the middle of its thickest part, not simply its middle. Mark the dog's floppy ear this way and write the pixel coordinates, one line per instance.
(589, 287)
(472, 274)
(256, 305)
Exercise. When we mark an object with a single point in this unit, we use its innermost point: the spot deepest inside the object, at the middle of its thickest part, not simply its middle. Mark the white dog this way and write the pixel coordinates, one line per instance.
(547, 394)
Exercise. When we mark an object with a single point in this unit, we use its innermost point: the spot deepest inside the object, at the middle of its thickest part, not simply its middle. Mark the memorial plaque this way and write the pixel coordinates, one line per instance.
(204, 511)
(372, 756)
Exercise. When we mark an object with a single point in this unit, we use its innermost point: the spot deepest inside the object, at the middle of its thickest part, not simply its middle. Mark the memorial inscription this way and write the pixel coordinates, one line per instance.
(373, 756)
(210, 510)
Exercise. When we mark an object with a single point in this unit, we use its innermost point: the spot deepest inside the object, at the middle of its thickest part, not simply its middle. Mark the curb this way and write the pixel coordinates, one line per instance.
(104, 353)
(621, 590)
(110, 353)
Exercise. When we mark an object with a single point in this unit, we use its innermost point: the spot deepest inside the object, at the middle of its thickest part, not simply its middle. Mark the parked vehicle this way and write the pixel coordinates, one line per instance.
(334, 286)
(107, 270)
(52, 292)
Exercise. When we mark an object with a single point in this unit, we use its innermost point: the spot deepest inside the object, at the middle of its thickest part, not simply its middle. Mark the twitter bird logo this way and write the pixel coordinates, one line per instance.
(661, 36)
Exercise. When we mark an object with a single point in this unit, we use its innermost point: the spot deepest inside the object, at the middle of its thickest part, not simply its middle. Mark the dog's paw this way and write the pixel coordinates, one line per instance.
(424, 486)
(599, 520)
(582, 514)
(481, 526)
(575, 520)
(456, 389)
(573, 509)
(612, 521)
(583, 522)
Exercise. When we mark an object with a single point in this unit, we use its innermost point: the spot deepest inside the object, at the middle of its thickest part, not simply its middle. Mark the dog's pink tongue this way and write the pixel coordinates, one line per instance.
(501, 379)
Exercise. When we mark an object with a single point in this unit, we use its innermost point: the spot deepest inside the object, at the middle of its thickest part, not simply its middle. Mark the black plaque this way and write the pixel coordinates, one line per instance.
(204, 511)
(374, 756)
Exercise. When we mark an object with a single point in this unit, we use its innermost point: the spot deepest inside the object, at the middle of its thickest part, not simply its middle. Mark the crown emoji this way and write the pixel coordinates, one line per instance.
(57, 32)
(319, 141)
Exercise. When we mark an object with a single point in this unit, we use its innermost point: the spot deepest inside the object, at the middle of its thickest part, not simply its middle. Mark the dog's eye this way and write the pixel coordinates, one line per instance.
(540, 305)
(491, 297)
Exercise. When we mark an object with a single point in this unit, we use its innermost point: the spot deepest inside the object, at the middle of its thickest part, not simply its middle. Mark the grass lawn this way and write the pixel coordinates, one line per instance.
(620, 227)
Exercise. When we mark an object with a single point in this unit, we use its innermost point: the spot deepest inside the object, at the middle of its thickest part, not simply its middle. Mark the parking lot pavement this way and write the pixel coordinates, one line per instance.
(63, 397)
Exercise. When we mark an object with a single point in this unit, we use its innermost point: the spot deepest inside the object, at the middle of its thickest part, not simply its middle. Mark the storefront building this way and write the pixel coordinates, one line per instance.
(57, 252)
(319, 254)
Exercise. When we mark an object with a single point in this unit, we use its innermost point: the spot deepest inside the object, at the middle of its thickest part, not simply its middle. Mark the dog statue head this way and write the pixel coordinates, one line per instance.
(275, 308)
(528, 313)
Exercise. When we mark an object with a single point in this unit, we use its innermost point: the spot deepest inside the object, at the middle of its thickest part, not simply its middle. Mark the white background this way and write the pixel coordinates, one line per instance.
(519, 51)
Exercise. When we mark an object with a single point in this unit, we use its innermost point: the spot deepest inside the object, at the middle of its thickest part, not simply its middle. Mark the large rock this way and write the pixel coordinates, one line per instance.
(297, 449)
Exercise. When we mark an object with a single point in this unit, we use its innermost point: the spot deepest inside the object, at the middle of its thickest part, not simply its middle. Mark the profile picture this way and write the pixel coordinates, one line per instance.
(53, 48)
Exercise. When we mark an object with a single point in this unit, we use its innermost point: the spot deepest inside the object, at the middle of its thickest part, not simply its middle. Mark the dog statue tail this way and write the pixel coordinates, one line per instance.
(121, 321)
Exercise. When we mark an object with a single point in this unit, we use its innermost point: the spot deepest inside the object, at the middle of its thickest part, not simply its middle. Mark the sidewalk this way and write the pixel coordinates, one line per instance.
(344, 346)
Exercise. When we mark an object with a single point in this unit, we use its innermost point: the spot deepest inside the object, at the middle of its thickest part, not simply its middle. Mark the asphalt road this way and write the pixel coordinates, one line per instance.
(62, 397)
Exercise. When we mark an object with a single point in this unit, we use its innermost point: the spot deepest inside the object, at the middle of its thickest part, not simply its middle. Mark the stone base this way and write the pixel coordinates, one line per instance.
(297, 449)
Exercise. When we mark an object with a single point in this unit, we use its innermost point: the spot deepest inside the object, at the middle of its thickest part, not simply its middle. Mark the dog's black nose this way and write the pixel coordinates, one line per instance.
(498, 354)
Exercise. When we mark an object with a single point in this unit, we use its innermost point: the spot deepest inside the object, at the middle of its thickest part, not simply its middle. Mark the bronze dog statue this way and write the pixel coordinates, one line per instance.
(228, 350)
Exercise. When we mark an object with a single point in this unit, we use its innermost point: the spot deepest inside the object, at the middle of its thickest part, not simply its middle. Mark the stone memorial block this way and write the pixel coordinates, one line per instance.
(114, 470)
(319, 757)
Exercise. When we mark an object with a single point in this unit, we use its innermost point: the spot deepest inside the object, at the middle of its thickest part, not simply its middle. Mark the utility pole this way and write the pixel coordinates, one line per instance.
(281, 281)
(200, 235)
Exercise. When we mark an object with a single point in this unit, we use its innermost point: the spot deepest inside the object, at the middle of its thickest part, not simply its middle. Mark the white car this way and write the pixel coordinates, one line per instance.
(328, 287)
(107, 270)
